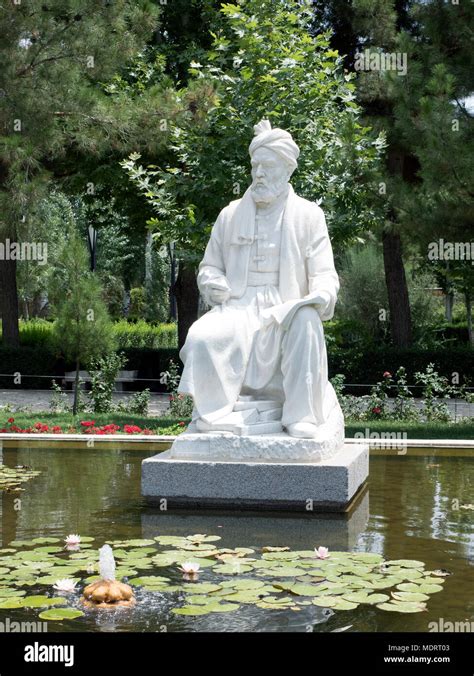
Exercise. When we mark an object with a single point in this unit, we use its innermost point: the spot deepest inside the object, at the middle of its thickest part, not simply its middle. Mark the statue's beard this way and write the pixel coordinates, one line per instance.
(264, 193)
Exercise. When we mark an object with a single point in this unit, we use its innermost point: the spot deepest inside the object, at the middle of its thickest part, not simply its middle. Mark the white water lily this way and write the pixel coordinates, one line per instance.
(189, 568)
(73, 540)
(65, 584)
(322, 552)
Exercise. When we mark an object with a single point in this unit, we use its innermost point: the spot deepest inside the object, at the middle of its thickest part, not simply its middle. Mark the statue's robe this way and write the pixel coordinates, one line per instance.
(236, 348)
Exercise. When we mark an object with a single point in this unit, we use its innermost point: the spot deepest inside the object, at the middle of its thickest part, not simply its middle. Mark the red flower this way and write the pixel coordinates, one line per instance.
(387, 374)
(377, 410)
(3, 430)
(181, 424)
(57, 429)
(147, 431)
(132, 429)
(11, 420)
(88, 423)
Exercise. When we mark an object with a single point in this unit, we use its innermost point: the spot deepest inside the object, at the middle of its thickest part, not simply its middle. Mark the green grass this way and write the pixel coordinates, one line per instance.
(414, 430)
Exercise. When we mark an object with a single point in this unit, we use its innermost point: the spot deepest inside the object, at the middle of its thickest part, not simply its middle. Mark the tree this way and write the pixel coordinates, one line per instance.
(263, 63)
(55, 56)
(428, 127)
(82, 330)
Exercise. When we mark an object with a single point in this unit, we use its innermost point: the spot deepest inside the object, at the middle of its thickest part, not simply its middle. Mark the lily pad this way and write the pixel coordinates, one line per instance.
(201, 587)
(203, 538)
(402, 607)
(243, 584)
(362, 597)
(42, 601)
(420, 588)
(405, 563)
(58, 614)
(414, 597)
(232, 568)
(345, 605)
(149, 580)
(10, 603)
(326, 601)
(190, 610)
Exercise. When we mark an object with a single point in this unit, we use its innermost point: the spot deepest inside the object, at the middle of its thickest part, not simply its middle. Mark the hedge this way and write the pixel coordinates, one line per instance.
(368, 367)
(36, 361)
(39, 333)
(357, 366)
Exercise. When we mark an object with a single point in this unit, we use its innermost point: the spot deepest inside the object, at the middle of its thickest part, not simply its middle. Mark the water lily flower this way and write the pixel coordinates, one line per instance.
(73, 541)
(65, 585)
(189, 569)
(322, 552)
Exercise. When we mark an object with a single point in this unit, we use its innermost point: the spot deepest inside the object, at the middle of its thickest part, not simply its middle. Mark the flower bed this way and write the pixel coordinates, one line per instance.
(88, 427)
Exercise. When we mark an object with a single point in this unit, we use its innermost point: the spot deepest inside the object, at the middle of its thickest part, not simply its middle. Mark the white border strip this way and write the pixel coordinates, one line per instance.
(167, 438)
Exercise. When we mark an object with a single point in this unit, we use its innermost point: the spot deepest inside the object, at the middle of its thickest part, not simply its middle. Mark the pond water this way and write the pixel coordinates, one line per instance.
(411, 509)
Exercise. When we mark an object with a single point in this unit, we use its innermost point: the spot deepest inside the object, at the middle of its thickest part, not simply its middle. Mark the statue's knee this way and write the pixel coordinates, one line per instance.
(197, 335)
(304, 315)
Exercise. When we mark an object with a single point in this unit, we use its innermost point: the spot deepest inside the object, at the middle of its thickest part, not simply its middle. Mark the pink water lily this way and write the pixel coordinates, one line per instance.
(190, 569)
(73, 542)
(322, 552)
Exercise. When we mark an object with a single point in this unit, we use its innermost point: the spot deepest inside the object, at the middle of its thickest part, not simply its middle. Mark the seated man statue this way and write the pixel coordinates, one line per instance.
(268, 273)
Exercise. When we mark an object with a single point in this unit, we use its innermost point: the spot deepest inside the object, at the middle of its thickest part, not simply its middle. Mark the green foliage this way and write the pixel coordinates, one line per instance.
(82, 330)
(104, 372)
(139, 402)
(137, 306)
(59, 402)
(435, 387)
(363, 292)
(181, 405)
(263, 63)
(141, 334)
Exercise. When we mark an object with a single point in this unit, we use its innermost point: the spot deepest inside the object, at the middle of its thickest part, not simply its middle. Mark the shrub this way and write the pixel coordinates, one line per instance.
(137, 404)
(103, 374)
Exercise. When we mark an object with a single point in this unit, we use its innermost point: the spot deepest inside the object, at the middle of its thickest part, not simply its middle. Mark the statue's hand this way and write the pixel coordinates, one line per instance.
(219, 296)
(322, 300)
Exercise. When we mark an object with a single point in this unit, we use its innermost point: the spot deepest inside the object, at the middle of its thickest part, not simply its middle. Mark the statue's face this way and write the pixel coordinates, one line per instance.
(270, 175)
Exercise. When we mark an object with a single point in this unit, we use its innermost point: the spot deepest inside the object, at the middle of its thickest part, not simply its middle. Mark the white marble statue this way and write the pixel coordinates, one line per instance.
(257, 360)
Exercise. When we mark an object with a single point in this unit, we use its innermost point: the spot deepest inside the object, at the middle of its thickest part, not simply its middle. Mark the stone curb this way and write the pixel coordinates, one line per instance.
(140, 438)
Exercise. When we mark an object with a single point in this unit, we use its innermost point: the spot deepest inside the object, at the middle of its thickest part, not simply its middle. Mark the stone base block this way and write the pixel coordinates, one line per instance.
(329, 485)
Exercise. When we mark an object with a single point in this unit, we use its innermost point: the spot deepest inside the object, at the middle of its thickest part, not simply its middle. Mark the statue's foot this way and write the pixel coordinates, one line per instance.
(202, 426)
(303, 430)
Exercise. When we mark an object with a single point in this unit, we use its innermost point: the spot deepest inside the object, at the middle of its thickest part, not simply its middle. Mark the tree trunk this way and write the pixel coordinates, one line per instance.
(448, 306)
(187, 299)
(76, 389)
(9, 304)
(397, 289)
(470, 330)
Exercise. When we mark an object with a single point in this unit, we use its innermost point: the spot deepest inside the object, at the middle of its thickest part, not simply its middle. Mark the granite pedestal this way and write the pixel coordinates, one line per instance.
(257, 473)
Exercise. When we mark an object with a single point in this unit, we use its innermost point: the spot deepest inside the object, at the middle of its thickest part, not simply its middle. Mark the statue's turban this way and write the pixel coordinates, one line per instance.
(278, 140)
